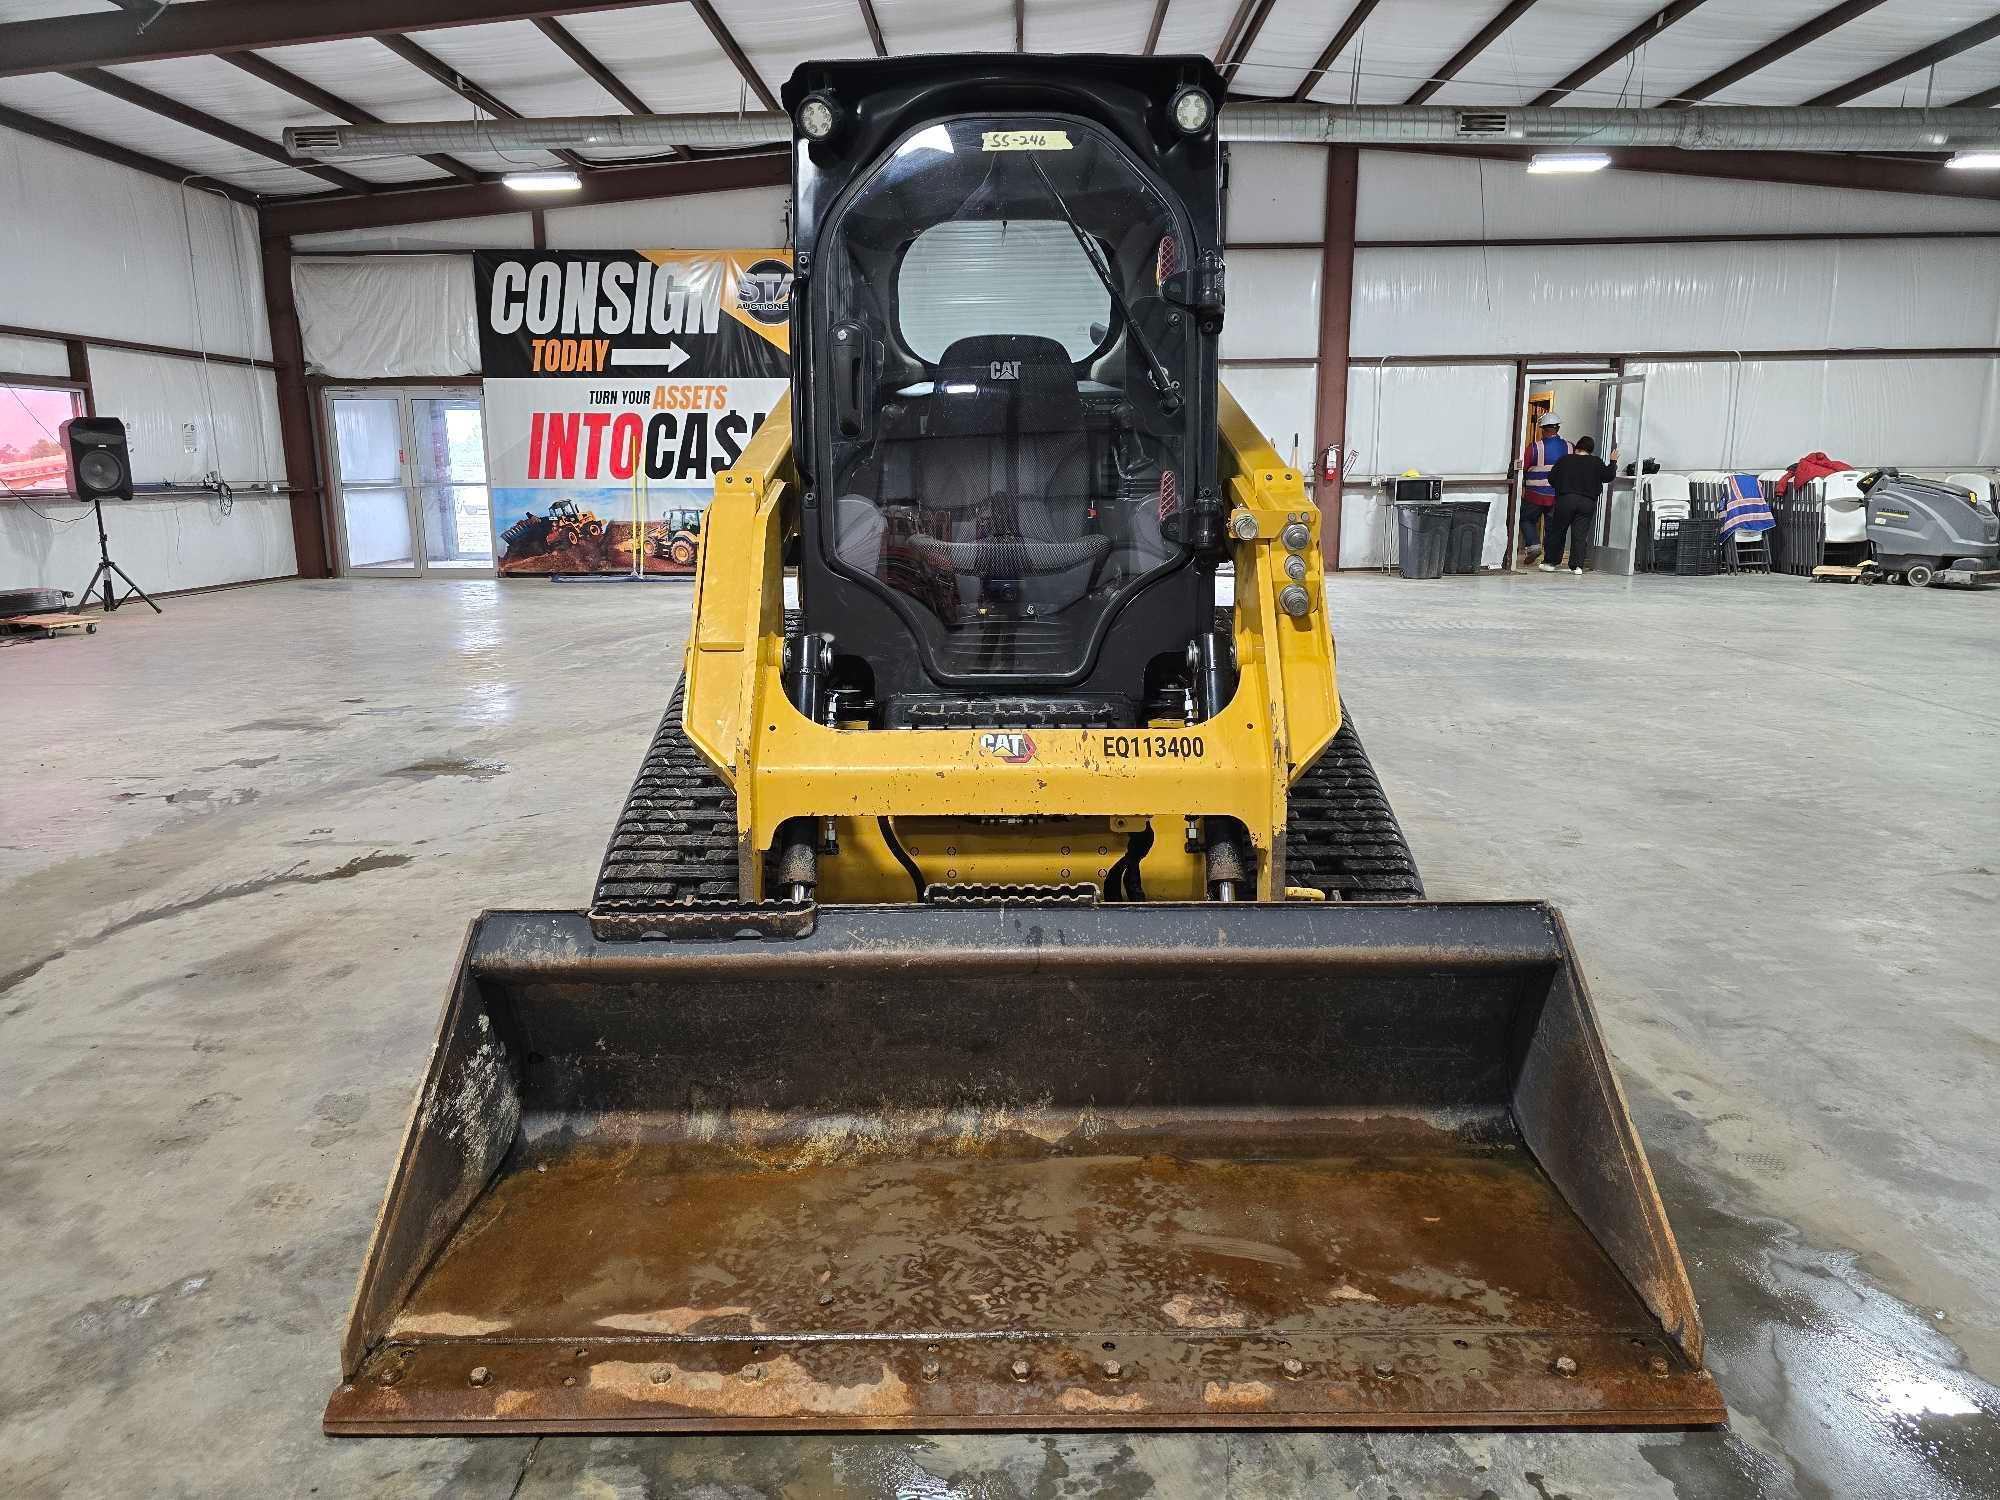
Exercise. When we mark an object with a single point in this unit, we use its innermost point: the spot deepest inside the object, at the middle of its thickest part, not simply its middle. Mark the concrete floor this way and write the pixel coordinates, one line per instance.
(239, 844)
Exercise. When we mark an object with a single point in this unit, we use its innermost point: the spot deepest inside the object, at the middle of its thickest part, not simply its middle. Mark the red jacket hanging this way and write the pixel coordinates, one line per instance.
(1806, 470)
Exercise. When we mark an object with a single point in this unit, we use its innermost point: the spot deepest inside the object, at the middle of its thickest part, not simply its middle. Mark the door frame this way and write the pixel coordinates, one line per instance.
(1625, 549)
(402, 393)
(1526, 371)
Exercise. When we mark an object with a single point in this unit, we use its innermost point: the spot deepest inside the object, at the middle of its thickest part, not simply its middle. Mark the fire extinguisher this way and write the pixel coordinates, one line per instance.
(1329, 464)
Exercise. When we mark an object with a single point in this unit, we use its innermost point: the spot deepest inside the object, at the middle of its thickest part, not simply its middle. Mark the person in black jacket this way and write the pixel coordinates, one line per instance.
(1577, 478)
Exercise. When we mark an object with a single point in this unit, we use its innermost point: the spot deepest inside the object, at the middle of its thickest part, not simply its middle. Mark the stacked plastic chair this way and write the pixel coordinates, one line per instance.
(1699, 550)
(1663, 505)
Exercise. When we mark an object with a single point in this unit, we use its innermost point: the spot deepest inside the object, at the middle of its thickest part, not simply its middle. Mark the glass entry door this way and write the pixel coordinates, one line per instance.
(1621, 410)
(409, 472)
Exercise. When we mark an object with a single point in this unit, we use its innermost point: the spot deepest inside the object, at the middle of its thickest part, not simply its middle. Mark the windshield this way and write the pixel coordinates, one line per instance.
(1007, 432)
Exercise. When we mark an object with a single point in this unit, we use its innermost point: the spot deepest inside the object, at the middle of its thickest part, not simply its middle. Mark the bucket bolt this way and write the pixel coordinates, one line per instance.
(1019, 1369)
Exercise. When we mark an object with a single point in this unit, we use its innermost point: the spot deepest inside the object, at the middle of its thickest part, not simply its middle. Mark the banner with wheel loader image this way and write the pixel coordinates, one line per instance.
(618, 383)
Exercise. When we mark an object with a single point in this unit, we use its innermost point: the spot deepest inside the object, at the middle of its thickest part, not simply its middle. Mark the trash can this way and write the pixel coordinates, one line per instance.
(1468, 535)
(1423, 538)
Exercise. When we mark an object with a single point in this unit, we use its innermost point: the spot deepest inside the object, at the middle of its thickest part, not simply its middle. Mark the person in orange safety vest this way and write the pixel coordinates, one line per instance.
(1538, 496)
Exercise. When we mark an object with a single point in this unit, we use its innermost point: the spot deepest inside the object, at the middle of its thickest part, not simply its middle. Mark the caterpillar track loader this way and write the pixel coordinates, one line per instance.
(1008, 1000)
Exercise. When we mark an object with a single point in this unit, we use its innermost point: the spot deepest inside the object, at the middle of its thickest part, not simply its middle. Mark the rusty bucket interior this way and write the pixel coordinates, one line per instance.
(932, 1168)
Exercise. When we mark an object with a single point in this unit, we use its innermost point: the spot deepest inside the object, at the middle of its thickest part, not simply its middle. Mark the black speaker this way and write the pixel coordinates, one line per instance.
(100, 465)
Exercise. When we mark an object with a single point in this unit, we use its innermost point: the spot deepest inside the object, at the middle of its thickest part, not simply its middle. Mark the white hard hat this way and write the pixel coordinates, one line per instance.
(1549, 419)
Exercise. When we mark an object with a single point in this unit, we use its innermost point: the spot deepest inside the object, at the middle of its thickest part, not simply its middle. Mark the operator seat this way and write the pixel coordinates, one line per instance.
(995, 465)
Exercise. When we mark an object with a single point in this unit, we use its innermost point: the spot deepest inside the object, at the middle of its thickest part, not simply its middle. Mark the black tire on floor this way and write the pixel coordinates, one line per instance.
(31, 602)
(1341, 834)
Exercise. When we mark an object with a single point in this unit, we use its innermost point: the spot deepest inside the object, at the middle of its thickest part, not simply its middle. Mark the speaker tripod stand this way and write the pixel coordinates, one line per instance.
(107, 570)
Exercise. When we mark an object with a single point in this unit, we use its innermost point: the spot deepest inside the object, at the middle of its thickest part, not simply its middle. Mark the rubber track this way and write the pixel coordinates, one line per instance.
(1342, 836)
(676, 839)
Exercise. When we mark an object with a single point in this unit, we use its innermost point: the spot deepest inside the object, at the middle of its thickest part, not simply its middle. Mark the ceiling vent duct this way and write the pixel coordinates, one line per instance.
(1735, 128)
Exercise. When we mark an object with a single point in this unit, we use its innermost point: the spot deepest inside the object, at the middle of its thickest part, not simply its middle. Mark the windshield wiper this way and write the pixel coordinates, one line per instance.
(1156, 370)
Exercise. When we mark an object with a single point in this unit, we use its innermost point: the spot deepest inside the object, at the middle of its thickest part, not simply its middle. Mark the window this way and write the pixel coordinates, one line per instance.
(978, 276)
(31, 454)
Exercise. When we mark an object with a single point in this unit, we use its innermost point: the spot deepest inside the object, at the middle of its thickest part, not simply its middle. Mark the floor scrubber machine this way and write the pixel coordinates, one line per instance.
(1924, 532)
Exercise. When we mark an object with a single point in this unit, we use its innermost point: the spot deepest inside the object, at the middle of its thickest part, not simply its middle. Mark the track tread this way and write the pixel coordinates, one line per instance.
(675, 840)
(1341, 834)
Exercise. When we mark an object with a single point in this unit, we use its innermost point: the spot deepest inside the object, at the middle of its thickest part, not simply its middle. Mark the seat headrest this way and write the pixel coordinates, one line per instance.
(995, 383)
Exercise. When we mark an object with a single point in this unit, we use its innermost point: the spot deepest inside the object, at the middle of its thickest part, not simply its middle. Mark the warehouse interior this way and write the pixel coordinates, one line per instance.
(402, 558)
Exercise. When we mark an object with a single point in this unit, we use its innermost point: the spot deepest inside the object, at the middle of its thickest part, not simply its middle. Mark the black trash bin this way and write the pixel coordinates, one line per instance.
(1423, 538)
(1468, 535)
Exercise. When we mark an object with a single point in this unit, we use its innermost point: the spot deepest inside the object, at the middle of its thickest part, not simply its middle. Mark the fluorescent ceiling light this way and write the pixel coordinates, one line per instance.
(1975, 161)
(543, 182)
(1569, 161)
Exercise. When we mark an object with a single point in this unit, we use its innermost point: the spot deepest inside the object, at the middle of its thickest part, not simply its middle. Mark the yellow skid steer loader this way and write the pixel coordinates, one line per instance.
(1009, 1001)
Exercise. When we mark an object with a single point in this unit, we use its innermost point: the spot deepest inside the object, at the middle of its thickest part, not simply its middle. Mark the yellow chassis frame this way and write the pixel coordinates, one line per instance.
(947, 789)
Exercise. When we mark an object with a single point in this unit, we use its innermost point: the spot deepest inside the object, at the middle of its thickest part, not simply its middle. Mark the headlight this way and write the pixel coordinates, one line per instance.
(817, 117)
(1192, 110)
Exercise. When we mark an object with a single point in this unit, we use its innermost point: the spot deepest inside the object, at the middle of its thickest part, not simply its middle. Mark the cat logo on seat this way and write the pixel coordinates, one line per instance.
(1012, 748)
(1004, 369)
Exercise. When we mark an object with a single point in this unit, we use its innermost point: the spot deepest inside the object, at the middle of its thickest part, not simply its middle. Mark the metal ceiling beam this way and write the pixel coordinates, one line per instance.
(1488, 35)
(1153, 31)
(1903, 67)
(1984, 99)
(266, 71)
(1356, 19)
(874, 28)
(1248, 39)
(1771, 52)
(1619, 50)
(736, 55)
(138, 161)
(1227, 47)
(592, 68)
(442, 72)
(194, 119)
(195, 28)
(464, 201)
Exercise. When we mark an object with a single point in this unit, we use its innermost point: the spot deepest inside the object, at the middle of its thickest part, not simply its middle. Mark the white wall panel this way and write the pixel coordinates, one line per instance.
(1283, 401)
(1277, 192)
(492, 232)
(388, 315)
(93, 248)
(1404, 196)
(1273, 305)
(234, 409)
(19, 356)
(747, 219)
(1559, 299)
(1440, 419)
(1910, 413)
(167, 544)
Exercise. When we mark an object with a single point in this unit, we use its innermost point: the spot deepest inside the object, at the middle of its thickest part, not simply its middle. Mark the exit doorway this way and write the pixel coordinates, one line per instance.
(1608, 406)
(409, 482)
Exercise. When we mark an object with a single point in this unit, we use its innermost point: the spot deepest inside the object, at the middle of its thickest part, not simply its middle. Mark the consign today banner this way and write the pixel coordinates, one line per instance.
(618, 384)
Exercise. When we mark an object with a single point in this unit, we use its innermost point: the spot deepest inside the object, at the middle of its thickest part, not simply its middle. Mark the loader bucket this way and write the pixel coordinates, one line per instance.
(1024, 1167)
